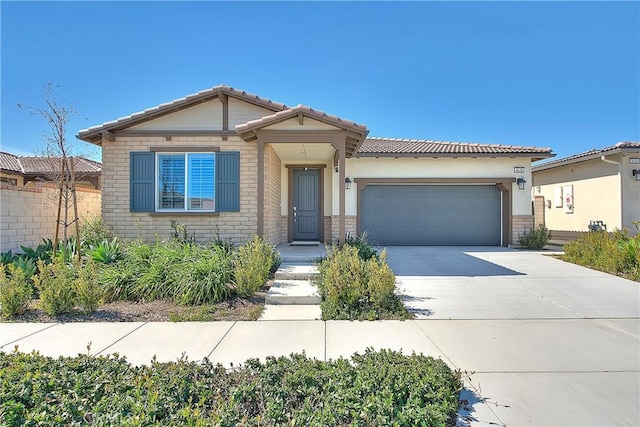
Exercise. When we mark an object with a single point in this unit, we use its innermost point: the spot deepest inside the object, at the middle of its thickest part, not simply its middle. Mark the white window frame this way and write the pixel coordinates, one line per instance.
(184, 155)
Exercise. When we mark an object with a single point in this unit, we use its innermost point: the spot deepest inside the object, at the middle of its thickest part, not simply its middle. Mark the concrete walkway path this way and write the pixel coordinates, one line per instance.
(544, 343)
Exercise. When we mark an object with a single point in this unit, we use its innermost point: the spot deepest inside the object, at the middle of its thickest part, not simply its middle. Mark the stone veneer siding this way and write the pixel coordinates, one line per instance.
(237, 226)
(272, 222)
(520, 224)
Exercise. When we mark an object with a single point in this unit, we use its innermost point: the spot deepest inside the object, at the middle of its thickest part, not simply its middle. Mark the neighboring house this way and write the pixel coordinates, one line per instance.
(231, 164)
(28, 170)
(597, 186)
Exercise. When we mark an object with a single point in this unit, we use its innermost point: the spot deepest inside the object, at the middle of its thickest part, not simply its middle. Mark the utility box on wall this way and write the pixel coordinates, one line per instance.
(567, 192)
(557, 197)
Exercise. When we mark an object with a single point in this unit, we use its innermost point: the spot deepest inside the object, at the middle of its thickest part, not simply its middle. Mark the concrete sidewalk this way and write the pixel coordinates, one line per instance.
(586, 373)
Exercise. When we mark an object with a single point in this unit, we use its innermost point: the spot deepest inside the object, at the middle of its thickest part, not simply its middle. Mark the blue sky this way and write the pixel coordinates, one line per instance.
(564, 75)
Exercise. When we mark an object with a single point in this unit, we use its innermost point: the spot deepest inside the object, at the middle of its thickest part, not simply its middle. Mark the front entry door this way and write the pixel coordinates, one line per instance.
(306, 204)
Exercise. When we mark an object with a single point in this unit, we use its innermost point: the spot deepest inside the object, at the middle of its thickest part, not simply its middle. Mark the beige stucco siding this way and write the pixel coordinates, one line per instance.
(435, 168)
(205, 116)
(239, 226)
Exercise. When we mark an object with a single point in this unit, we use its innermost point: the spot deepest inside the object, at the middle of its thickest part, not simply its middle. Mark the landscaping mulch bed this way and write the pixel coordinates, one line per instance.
(154, 311)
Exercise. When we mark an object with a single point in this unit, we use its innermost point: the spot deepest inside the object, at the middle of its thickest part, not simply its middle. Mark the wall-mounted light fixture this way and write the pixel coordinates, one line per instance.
(347, 183)
(521, 182)
(636, 173)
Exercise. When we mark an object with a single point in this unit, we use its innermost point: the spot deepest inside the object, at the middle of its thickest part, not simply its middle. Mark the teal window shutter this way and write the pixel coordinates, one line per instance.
(227, 181)
(141, 181)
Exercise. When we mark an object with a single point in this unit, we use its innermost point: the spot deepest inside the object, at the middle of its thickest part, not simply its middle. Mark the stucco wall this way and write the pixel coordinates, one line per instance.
(436, 168)
(238, 226)
(29, 213)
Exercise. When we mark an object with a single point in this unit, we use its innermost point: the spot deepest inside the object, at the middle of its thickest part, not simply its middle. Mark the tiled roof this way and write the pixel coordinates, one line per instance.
(355, 132)
(9, 162)
(40, 165)
(588, 155)
(384, 147)
(92, 134)
(291, 112)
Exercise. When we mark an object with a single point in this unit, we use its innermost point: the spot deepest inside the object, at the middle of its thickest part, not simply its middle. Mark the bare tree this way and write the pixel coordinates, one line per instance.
(62, 171)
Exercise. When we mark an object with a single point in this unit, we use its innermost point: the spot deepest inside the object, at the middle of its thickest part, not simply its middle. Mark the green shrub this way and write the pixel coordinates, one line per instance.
(253, 262)
(361, 242)
(598, 250)
(187, 273)
(89, 293)
(27, 265)
(106, 252)
(371, 389)
(352, 288)
(203, 278)
(55, 283)
(536, 238)
(41, 252)
(15, 290)
(180, 234)
(7, 257)
(93, 231)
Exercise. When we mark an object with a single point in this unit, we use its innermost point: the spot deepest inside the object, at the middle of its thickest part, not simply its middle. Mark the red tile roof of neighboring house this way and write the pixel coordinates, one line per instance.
(41, 165)
(384, 147)
(9, 162)
(589, 155)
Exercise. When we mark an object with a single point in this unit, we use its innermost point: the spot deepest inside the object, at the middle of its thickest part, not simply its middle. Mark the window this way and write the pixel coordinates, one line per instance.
(185, 182)
(188, 182)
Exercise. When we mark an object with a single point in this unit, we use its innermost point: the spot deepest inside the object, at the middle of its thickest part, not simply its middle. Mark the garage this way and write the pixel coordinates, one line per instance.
(431, 214)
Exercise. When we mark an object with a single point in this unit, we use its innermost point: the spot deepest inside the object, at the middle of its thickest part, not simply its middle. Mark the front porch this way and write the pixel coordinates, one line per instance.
(301, 174)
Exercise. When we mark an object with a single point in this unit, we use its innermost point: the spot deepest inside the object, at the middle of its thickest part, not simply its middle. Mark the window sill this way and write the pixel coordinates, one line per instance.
(184, 213)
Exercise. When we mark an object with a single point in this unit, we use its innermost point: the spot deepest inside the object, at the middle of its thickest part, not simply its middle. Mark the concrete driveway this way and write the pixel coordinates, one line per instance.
(547, 343)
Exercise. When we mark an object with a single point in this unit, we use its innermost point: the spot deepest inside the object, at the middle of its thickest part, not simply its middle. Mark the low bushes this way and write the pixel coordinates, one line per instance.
(63, 286)
(535, 238)
(15, 290)
(354, 288)
(253, 262)
(371, 389)
(614, 253)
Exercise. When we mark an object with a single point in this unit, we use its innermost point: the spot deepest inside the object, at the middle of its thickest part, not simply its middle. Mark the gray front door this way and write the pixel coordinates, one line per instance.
(306, 204)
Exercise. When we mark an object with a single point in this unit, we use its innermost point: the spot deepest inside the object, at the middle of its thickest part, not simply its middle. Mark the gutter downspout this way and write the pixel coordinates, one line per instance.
(613, 162)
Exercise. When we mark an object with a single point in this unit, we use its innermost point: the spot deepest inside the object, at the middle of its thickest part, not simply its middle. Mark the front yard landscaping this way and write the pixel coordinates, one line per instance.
(370, 389)
(172, 279)
(614, 253)
(356, 283)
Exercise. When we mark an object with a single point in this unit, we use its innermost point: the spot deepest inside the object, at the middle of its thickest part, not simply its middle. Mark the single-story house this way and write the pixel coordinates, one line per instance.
(231, 164)
(600, 187)
(29, 170)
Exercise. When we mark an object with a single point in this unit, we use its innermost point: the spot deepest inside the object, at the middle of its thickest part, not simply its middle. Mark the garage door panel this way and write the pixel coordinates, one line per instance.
(431, 214)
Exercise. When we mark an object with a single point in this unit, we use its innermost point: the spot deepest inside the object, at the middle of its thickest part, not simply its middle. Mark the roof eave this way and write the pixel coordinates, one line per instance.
(533, 156)
(94, 135)
(583, 158)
